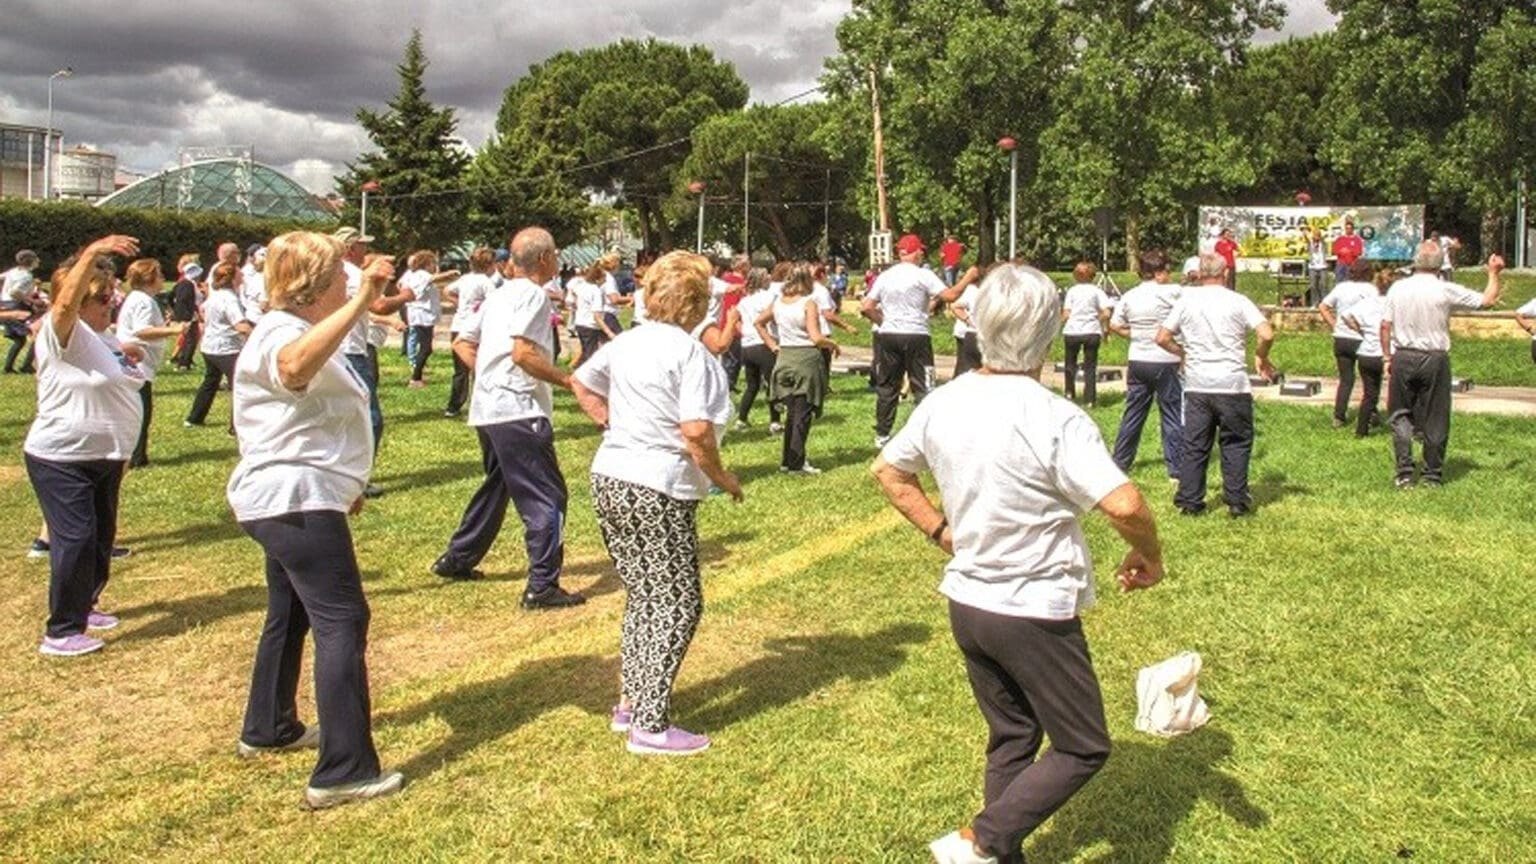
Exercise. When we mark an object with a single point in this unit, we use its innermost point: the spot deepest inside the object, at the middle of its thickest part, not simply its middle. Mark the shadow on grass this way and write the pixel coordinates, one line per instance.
(796, 667)
(825, 460)
(175, 617)
(185, 536)
(192, 457)
(1272, 487)
(489, 710)
(1456, 468)
(1145, 792)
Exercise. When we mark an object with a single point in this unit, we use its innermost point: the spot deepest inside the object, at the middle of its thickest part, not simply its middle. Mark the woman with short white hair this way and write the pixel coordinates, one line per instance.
(306, 449)
(1016, 467)
(663, 401)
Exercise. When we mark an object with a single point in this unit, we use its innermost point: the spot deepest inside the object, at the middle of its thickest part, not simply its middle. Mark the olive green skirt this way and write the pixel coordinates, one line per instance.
(799, 372)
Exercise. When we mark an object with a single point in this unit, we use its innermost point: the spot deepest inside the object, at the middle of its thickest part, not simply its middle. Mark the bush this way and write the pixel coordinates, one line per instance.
(57, 230)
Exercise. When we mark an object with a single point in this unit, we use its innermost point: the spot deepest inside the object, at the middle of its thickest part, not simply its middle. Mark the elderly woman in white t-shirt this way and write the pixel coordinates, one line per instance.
(224, 330)
(1084, 311)
(88, 415)
(663, 402)
(1016, 467)
(306, 449)
(141, 322)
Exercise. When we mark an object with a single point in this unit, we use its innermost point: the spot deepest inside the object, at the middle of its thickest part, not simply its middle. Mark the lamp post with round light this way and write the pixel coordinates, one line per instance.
(370, 186)
(697, 188)
(48, 134)
(1011, 147)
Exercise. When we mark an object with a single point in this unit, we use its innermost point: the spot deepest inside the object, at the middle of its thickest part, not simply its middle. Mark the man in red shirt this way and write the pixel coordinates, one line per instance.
(1226, 247)
(736, 277)
(1347, 249)
(950, 252)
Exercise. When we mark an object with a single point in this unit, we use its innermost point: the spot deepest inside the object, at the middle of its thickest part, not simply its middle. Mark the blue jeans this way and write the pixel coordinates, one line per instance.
(367, 368)
(1143, 383)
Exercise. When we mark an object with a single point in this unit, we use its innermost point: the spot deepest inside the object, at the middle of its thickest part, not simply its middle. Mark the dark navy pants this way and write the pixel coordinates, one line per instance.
(79, 504)
(1145, 382)
(313, 582)
(367, 368)
(1206, 415)
(520, 467)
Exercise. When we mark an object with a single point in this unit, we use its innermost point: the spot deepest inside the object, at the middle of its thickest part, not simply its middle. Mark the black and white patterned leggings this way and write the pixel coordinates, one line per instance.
(654, 541)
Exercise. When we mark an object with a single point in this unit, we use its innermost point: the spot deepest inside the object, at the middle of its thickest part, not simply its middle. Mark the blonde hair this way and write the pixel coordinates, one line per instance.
(677, 289)
(144, 274)
(301, 265)
(187, 259)
(482, 259)
(801, 281)
(223, 277)
(422, 259)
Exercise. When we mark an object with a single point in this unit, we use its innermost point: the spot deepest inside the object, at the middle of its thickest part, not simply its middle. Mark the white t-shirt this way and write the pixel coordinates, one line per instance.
(967, 303)
(18, 285)
(1419, 308)
(471, 289)
(1529, 311)
(1342, 299)
(1083, 303)
(637, 300)
(427, 307)
(610, 288)
(751, 307)
(903, 293)
(298, 451)
(356, 341)
(718, 288)
(1143, 309)
(1317, 255)
(140, 312)
(588, 304)
(88, 404)
(221, 313)
(789, 321)
(655, 379)
(503, 391)
(823, 298)
(1016, 466)
(253, 294)
(1367, 312)
(1213, 323)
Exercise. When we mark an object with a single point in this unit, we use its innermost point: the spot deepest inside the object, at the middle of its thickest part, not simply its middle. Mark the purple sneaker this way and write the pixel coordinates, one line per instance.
(621, 719)
(99, 620)
(70, 646)
(673, 742)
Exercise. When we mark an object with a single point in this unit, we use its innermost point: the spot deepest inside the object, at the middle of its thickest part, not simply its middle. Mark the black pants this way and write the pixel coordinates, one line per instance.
(215, 367)
(1144, 383)
(458, 391)
(1420, 398)
(1031, 678)
(141, 449)
(313, 582)
(968, 357)
(731, 360)
(797, 430)
(591, 339)
(1206, 414)
(874, 358)
(79, 504)
(1370, 396)
(520, 466)
(18, 342)
(188, 350)
(420, 339)
(757, 362)
(1089, 345)
(908, 355)
(1345, 353)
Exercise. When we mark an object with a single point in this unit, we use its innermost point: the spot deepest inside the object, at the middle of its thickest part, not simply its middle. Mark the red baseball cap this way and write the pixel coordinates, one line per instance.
(910, 243)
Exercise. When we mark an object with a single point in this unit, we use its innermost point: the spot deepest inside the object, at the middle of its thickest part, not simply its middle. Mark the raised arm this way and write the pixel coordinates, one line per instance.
(301, 360)
(953, 292)
(68, 296)
(1495, 282)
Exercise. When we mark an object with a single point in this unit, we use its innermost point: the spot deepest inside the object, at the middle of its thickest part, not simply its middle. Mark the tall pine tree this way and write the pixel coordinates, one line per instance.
(418, 165)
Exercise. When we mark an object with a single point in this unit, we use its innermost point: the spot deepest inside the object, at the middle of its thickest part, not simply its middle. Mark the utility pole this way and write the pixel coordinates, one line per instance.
(874, 98)
(746, 205)
(826, 218)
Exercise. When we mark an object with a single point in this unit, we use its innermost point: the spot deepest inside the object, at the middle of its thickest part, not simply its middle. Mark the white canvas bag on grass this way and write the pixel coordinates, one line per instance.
(1168, 697)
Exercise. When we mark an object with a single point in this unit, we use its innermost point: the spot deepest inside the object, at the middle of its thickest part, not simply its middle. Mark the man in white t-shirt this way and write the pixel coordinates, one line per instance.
(468, 293)
(510, 346)
(1416, 338)
(18, 295)
(899, 302)
(1335, 311)
(253, 283)
(1214, 322)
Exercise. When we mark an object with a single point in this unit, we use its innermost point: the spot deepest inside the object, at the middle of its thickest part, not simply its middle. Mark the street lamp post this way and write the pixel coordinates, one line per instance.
(370, 186)
(1011, 147)
(48, 135)
(697, 188)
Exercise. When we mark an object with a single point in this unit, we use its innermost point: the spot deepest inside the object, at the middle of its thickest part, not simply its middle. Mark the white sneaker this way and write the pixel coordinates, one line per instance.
(740, 426)
(954, 849)
(384, 784)
(309, 740)
(806, 470)
(775, 428)
(882, 440)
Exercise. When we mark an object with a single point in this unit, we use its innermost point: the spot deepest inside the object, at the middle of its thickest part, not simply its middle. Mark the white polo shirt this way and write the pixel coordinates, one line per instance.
(1213, 323)
(1143, 309)
(1083, 304)
(903, 293)
(222, 311)
(1342, 299)
(88, 405)
(140, 312)
(503, 391)
(656, 378)
(1419, 308)
(1016, 465)
(299, 451)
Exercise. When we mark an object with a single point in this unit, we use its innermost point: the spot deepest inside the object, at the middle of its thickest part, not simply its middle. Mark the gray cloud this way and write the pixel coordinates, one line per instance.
(288, 75)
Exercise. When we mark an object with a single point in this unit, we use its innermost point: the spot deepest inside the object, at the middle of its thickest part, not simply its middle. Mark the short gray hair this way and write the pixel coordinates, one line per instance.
(1017, 314)
(1428, 257)
(528, 246)
(1212, 266)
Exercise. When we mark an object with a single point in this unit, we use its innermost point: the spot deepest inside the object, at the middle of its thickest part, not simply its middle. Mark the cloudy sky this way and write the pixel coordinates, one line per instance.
(286, 76)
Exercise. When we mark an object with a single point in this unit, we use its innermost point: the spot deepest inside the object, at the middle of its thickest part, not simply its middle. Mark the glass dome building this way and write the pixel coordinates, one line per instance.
(223, 186)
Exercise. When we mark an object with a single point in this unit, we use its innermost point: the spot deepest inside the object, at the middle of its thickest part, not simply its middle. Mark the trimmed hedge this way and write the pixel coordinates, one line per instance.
(59, 229)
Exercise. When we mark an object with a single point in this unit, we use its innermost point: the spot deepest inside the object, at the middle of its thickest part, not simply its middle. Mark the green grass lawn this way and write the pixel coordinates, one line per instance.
(1368, 659)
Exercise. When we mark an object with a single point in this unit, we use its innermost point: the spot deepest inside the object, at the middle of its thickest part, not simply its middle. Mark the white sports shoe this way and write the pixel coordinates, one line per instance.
(954, 849)
(384, 784)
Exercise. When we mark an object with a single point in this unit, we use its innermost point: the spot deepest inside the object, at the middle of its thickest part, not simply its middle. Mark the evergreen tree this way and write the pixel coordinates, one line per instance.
(419, 166)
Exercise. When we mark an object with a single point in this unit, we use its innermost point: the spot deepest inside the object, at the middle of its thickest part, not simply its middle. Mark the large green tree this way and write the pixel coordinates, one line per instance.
(613, 121)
